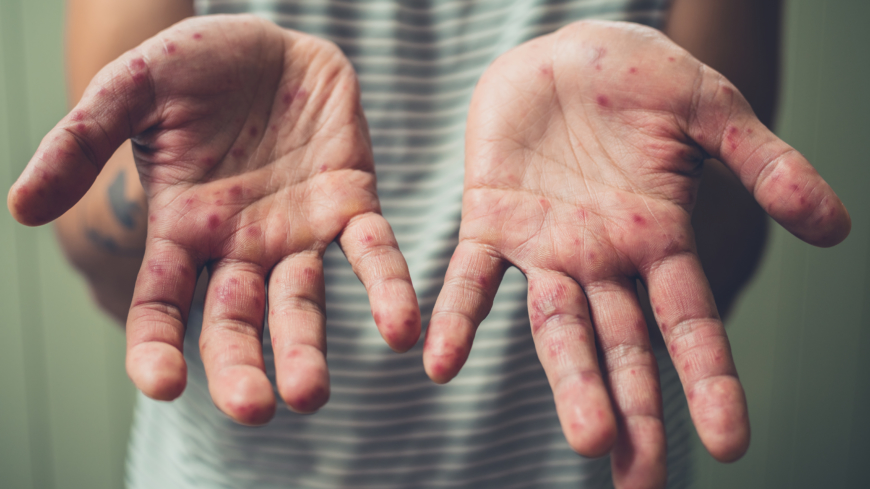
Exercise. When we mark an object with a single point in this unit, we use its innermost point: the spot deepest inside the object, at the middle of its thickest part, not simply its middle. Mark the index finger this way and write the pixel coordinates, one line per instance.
(695, 336)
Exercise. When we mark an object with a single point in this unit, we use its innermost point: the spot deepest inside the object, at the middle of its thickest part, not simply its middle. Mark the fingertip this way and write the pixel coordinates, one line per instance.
(718, 407)
(441, 368)
(586, 415)
(304, 383)
(399, 323)
(592, 435)
(835, 227)
(448, 344)
(243, 393)
(158, 370)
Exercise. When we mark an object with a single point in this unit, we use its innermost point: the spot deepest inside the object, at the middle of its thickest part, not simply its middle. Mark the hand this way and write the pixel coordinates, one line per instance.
(583, 156)
(254, 154)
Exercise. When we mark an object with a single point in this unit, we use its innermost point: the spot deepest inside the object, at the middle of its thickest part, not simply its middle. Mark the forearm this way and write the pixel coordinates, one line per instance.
(104, 234)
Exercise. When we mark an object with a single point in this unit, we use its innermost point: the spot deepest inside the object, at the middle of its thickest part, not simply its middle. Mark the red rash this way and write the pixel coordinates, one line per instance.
(77, 115)
(213, 221)
(309, 275)
(632, 70)
(238, 153)
(138, 66)
(170, 48)
(603, 101)
(236, 190)
(197, 36)
(482, 281)
(322, 168)
(156, 268)
(671, 59)
(732, 138)
(638, 220)
(253, 131)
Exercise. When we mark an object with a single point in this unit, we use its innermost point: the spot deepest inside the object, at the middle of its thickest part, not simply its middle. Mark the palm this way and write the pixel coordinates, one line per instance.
(583, 158)
(254, 155)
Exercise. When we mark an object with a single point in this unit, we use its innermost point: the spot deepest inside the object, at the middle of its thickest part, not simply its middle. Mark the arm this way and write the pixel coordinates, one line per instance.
(104, 234)
(740, 39)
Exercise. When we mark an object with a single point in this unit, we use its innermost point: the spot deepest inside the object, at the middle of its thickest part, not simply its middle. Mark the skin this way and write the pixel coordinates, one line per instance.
(626, 417)
(586, 181)
(252, 163)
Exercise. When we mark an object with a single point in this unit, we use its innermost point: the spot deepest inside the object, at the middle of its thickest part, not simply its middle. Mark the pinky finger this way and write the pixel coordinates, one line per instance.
(372, 250)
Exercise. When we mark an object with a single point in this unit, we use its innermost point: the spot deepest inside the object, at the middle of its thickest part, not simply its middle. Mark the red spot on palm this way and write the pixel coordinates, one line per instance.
(238, 153)
(253, 131)
(170, 48)
(213, 221)
(638, 220)
(632, 70)
(77, 115)
(603, 101)
(197, 36)
(253, 231)
(236, 191)
(80, 127)
(671, 59)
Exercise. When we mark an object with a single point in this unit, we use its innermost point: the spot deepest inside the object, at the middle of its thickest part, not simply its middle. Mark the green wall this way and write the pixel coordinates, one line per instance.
(65, 401)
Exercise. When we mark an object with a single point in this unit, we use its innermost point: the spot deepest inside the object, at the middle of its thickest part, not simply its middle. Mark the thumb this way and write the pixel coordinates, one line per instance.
(783, 182)
(118, 104)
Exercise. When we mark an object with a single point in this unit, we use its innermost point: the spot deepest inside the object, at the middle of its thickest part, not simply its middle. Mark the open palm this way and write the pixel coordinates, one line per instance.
(254, 155)
(583, 157)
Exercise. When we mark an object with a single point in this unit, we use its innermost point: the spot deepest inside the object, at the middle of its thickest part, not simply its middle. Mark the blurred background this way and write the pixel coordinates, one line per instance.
(800, 332)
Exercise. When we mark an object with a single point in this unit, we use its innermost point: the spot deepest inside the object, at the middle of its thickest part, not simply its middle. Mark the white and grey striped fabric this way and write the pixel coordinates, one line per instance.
(387, 425)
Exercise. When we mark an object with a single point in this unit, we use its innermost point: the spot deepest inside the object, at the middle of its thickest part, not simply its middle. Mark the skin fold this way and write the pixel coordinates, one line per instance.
(585, 153)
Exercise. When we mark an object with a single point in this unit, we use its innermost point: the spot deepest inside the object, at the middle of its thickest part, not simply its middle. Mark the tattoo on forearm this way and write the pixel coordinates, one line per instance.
(128, 213)
(124, 210)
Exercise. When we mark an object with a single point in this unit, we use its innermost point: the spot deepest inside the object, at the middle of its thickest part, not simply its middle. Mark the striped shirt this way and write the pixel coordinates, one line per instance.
(386, 424)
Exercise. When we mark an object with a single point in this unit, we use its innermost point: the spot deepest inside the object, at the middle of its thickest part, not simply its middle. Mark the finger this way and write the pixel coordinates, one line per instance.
(231, 342)
(779, 177)
(371, 248)
(639, 457)
(472, 279)
(117, 105)
(565, 342)
(686, 312)
(157, 319)
(296, 321)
